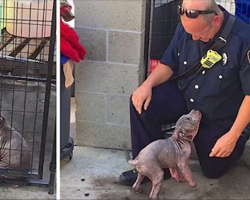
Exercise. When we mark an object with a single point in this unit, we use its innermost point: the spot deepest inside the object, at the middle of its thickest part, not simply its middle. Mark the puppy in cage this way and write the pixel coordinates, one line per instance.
(14, 150)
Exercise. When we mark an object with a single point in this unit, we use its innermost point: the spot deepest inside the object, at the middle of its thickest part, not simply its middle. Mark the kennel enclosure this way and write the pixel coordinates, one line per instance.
(28, 92)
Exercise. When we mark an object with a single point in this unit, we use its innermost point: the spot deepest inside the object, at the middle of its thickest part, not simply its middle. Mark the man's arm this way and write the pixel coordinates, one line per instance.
(225, 144)
(159, 75)
(143, 94)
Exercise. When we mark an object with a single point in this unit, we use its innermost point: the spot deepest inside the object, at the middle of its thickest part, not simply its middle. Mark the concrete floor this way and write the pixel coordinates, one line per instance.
(24, 192)
(93, 174)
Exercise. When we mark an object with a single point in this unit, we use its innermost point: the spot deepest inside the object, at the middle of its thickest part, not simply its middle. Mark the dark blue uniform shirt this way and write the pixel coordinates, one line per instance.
(219, 91)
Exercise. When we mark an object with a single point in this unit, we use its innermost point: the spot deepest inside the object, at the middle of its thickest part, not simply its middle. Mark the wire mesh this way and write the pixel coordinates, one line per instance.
(164, 20)
(24, 55)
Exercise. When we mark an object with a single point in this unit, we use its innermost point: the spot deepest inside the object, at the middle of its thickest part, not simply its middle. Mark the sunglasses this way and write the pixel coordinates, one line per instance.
(193, 13)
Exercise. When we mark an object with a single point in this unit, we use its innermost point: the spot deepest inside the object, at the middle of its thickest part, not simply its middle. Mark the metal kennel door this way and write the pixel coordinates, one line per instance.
(28, 91)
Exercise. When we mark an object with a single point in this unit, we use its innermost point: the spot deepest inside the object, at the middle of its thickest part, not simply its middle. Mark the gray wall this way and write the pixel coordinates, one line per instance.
(113, 34)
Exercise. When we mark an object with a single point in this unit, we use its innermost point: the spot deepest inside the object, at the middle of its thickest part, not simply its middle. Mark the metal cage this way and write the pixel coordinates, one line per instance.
(28, 92)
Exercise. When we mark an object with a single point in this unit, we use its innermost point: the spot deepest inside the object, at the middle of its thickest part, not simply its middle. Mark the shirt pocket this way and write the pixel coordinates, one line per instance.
(187, 60)
(230, 72)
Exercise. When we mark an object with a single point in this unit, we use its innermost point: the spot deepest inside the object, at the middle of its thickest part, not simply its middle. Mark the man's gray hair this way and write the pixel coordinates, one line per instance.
(211, 5)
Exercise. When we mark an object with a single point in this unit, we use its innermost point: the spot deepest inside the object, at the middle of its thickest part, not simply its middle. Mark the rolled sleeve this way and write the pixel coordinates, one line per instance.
(245, 73)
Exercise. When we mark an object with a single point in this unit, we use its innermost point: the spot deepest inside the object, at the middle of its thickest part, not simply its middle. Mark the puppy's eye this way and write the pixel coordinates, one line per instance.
(188, 119)
(181, 133)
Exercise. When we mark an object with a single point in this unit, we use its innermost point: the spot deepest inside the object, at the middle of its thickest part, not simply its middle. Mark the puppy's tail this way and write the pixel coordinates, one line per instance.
(133, 162)
(128, 158)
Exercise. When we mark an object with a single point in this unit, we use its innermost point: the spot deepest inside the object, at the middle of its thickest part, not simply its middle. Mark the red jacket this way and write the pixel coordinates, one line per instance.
(70, 45)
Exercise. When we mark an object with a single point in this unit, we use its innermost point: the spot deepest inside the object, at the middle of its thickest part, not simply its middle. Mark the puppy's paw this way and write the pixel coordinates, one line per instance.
(194, 186)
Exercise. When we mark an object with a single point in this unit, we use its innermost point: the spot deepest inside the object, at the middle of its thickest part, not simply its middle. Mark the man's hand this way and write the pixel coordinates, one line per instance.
(224, 146)
(226, 143)
(141, 95)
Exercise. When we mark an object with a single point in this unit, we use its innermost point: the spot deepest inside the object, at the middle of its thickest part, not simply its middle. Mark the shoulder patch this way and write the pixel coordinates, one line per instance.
(248, 56)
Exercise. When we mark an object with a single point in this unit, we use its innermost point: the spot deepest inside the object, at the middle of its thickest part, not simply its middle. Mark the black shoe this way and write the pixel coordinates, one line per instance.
(128, 178)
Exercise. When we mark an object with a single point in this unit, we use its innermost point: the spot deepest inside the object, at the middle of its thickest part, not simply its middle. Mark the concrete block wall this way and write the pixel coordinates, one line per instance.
(113, 34)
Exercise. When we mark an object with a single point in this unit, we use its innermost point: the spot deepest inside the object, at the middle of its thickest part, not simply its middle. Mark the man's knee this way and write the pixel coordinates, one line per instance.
(213, 174)
(215, 168)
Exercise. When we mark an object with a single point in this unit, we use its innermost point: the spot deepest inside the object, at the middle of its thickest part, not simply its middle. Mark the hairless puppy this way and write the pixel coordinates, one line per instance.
(172, 153)
(14, 150)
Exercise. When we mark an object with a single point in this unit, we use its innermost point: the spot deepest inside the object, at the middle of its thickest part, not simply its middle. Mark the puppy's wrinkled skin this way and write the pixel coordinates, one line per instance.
(14, 150)
(172, 153)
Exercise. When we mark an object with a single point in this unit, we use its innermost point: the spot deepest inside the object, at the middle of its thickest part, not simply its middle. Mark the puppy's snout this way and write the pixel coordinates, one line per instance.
(196, 115)
(196, 112)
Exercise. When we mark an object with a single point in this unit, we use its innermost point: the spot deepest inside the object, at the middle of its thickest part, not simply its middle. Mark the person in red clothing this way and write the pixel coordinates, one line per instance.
(70, 45)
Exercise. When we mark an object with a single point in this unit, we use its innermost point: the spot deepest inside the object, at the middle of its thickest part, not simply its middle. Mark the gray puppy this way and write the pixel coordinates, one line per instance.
(14, 150)
(172, 153)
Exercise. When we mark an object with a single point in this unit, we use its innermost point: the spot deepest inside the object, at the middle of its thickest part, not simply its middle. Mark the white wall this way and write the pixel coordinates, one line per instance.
(228, 4)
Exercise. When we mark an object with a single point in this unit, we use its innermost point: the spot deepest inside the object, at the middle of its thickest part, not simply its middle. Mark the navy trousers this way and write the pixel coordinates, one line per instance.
(167, 106)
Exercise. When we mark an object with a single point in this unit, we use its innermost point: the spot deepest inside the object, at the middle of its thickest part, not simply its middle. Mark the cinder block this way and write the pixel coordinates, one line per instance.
(124, 47)
(90, 107)
(102, 135)
(116, 14)
(106, 78)
(118, 109)
(94, 42)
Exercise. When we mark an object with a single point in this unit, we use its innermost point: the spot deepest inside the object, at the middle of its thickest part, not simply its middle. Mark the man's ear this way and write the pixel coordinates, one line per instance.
(216, 21)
